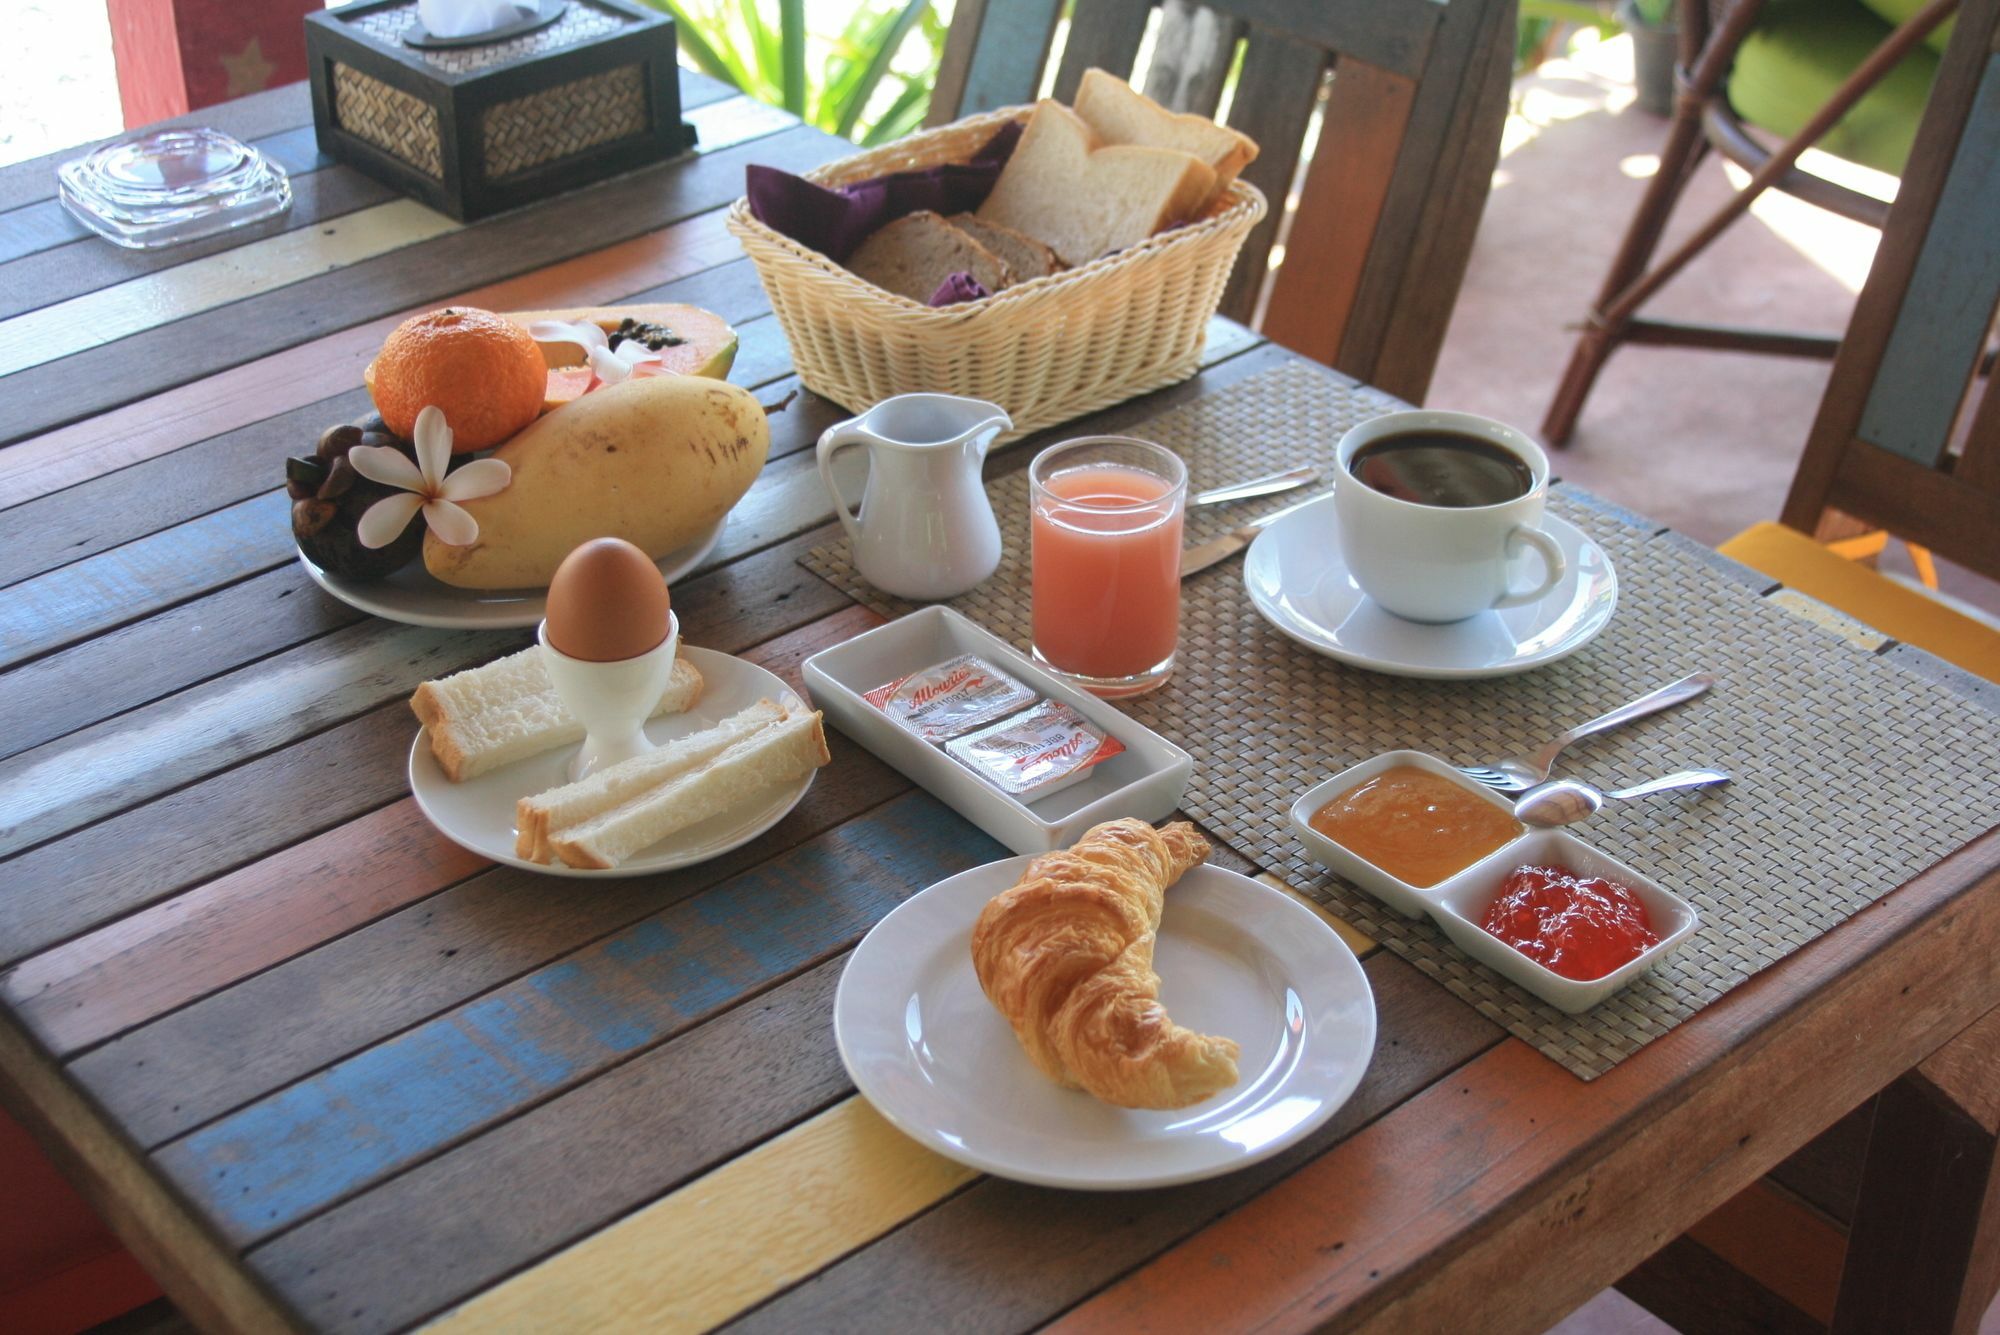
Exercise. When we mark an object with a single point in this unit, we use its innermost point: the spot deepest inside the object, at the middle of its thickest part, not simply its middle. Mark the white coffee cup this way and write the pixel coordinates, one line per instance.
(1439, 562)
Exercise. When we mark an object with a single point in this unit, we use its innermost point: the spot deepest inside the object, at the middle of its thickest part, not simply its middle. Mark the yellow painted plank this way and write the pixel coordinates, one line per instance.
(132, 307)
(728, 1240)
(1357, 941)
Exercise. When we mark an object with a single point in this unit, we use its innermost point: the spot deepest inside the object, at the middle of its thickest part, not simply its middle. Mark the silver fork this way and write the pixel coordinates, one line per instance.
(1524, 772)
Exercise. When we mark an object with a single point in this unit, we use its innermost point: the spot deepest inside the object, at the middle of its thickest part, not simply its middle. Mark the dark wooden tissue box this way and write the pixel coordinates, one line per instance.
(472, 130)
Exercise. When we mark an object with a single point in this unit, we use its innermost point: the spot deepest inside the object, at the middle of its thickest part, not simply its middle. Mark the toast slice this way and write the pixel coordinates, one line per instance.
(1122, 115)
(754, 765)
(575, 803)
(485, 717)
(1083, 198)
(1027, 257)
(918, 251)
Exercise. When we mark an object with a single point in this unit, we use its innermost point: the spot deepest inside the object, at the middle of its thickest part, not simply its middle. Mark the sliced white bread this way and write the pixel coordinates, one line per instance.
(748, 768)
(1122, 115)
(575, 803)
(485, 717)
(1085, 199)
(1027, 257)
(918, 251)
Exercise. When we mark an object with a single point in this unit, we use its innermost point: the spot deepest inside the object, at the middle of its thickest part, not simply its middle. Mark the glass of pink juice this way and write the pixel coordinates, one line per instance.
(1106, 561)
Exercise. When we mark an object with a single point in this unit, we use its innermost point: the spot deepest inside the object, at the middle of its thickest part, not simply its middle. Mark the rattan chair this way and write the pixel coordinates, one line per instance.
(1713, 34)
(1377, 249)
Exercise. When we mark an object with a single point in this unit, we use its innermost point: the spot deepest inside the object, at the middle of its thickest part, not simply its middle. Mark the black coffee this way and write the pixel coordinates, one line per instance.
(1442, 468)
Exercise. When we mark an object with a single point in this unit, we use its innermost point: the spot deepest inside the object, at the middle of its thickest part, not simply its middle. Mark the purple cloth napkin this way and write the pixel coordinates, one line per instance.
(835, 222)
(957, 287)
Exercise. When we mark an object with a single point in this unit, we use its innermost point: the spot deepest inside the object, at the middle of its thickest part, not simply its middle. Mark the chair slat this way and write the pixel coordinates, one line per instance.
(1393, 36)
(1338, 208)
(1104, 33)
(1979, 461)
(1191, 57)
(1274, 101)
(1941, 323)
(993, 56)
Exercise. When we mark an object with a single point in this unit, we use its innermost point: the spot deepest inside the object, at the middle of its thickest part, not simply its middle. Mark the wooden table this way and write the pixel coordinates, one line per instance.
(324, 1069)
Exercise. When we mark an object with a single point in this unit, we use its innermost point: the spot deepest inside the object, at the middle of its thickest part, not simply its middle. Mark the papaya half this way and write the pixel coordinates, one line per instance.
(705, 346)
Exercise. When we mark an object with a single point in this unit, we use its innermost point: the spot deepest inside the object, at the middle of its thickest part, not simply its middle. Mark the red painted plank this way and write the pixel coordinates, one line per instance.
(164, 957)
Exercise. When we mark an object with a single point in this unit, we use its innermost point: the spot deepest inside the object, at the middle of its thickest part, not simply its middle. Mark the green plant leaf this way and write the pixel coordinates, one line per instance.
(696, 44)
(886, 46)
(792, 54)
(905, 114)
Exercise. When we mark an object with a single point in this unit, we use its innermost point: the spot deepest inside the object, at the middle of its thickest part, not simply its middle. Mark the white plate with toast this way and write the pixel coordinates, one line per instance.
(416, 598)
(1236, 958)
(479, 814)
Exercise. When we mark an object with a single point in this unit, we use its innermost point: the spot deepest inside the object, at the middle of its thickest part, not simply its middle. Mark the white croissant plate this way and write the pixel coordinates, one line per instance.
(1235, 957)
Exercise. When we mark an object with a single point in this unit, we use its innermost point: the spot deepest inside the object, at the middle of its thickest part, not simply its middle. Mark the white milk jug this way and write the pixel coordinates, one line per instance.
(925, 529)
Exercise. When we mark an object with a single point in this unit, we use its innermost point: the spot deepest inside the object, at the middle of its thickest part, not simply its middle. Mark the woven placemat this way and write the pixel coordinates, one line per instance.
(1853, 773)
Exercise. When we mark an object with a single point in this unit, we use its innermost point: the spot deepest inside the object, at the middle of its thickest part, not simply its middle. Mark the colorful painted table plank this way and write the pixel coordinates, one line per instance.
(324, 1070)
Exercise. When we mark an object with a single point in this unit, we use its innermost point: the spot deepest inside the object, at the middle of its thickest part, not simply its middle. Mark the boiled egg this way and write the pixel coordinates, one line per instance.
(607, 602)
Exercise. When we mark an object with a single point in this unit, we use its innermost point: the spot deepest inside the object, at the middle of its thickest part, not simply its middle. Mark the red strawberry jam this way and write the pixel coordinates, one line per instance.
(1582, 927)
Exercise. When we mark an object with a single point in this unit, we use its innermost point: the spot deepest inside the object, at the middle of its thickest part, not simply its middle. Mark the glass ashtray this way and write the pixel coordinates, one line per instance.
(168, 186)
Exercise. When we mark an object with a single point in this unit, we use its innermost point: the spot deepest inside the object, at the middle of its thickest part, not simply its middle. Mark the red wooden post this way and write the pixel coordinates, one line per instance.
(174, 56)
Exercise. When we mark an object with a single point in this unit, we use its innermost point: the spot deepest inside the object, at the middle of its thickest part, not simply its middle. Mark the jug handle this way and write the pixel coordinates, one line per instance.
(835, 440)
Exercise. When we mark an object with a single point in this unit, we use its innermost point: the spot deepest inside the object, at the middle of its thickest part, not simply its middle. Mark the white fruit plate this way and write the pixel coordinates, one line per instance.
(412, 596)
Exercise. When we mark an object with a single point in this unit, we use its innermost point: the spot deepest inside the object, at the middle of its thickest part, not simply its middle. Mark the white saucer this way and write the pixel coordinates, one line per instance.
(1297, 579)
(1235, 958)
(479, 814)
(412, 596)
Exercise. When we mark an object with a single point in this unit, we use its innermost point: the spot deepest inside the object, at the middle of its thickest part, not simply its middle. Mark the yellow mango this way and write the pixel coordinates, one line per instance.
(655, 460)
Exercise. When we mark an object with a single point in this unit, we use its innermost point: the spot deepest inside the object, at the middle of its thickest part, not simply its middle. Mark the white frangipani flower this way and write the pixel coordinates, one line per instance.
(609, 367)
(612, 367)
(586, 334)
(426, 486)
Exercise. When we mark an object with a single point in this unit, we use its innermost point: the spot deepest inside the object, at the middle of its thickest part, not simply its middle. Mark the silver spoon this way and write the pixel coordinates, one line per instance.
(1565, 801)
(1257, 486)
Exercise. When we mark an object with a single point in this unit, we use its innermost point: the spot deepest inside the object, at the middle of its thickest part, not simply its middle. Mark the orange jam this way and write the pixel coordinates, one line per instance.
(1418, 826)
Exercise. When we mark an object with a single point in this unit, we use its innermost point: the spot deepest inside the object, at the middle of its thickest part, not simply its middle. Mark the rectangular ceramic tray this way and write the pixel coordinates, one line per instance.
(1458, 903)
(1145, 781)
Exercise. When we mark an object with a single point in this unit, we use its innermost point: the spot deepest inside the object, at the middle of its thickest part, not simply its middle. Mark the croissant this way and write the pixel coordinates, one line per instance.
(1066, 954)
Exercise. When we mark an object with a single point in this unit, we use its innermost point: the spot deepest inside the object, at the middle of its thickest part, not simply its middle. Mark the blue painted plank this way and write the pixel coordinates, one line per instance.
(304, 1147)
(1941, 328)
(89, 596)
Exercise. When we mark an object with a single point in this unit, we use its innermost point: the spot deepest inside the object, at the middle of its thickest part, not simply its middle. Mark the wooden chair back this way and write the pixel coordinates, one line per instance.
(1908, 436)
(1387, 209)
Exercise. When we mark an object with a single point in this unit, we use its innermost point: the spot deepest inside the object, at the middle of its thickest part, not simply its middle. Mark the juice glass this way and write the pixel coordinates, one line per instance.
(1106, 561)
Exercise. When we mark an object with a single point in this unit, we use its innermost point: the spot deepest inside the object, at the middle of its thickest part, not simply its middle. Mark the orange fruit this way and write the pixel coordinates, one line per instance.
(480, 369)
(566, 385)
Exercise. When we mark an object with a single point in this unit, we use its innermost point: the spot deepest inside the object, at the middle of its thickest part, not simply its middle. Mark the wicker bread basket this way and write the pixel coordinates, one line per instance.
(1046, 350)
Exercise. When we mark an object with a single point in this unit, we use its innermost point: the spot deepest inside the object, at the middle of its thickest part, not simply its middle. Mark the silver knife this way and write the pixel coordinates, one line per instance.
(1202, 555)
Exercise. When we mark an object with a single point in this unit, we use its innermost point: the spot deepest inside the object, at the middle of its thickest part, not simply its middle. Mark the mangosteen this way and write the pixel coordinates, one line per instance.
(328, 499)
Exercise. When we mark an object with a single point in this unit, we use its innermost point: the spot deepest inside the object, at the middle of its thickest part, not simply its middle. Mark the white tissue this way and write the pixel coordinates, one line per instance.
(467, 18)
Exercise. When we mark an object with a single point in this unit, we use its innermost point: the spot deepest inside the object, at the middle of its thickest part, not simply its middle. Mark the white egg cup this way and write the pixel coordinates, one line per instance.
(612, 700)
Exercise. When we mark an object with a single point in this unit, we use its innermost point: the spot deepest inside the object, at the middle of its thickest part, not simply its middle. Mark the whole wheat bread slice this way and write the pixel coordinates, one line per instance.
(1122, 115)
(1083, 198)
(918, 251)
(1027, 257)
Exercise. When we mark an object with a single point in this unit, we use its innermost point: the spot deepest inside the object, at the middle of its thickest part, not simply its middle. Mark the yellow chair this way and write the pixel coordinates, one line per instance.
(1823, 571)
